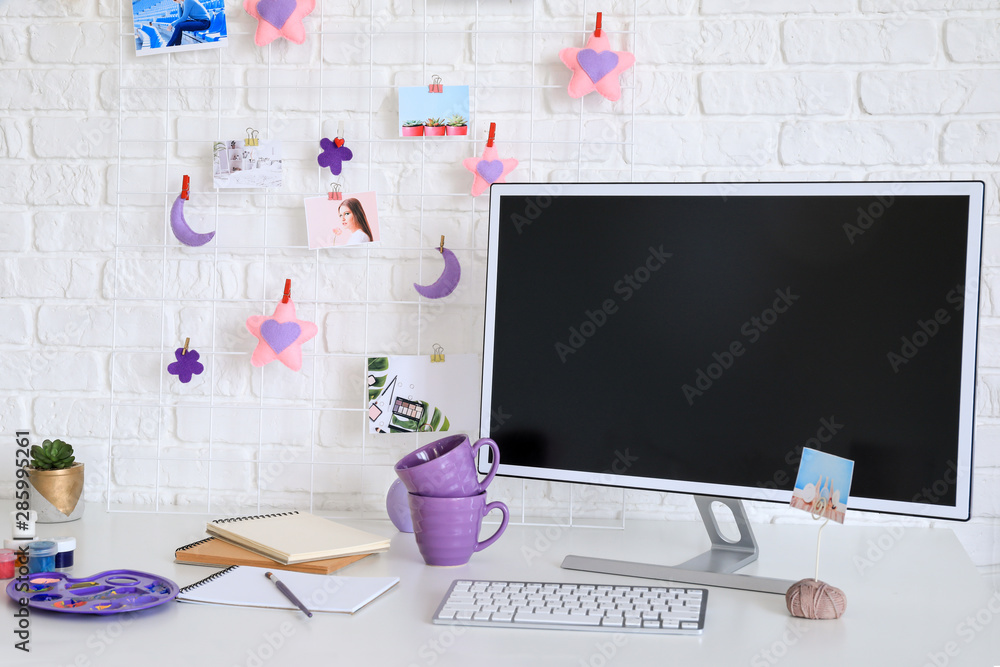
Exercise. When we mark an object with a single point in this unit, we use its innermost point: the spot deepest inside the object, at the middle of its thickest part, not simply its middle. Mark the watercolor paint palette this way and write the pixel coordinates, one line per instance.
(110, 592)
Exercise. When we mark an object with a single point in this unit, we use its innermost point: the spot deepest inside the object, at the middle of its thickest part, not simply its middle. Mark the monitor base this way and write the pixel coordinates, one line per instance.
(715, 567)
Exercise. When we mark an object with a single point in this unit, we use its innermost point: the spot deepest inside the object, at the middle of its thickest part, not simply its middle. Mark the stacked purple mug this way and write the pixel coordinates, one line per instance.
(448, 500)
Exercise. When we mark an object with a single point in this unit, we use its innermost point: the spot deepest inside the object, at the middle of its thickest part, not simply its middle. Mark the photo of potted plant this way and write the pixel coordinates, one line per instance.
(434, 127)
(413, 128)
(457, 125)
(56, 481)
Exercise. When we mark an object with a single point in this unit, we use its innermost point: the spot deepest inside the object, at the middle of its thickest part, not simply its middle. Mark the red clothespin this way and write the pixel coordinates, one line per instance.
(435, 85)
(288, 290)
(334, 192)
(597, 31)
(493, 132)
(186, 187)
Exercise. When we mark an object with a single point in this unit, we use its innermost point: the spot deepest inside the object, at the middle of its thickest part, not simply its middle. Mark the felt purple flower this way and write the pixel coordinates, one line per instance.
(334, 155)
(186, 365)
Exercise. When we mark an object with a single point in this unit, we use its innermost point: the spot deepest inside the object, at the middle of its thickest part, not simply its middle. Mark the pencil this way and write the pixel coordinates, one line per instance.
(288, 594)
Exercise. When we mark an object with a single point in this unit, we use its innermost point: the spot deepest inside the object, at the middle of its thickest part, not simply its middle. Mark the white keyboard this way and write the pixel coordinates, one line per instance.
(519, 604)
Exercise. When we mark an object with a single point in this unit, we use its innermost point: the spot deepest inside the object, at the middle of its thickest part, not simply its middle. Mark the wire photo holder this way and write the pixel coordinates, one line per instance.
(240, 439)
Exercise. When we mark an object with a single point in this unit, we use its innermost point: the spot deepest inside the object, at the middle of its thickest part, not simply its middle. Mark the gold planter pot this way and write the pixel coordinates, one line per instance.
(57, 494)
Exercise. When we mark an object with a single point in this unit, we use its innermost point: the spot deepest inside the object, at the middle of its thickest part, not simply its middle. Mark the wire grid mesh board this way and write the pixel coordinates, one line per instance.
(239, 439)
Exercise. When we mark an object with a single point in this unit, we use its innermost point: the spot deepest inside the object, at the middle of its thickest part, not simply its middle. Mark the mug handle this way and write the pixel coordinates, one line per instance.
(495, 505)
(496, 459)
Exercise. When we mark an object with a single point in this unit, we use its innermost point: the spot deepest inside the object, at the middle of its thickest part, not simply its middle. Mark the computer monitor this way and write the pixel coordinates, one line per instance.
(695, 337)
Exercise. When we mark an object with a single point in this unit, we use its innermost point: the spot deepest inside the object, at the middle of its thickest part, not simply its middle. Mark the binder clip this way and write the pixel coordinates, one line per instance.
(437, 354)
(334, 192)
(435, 85)
(253, 137)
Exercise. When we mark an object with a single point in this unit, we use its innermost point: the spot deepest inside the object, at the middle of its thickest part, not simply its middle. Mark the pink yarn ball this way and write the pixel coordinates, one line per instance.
(814, 599)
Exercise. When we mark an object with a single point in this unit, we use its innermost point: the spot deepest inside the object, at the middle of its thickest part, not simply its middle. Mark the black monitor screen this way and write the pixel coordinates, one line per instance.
(707, 339)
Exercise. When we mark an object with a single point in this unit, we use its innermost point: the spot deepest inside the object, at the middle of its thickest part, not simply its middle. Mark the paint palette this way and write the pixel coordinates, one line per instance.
(110, 592)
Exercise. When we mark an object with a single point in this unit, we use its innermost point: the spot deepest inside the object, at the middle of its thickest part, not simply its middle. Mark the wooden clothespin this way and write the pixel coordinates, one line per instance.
(435, 85)
(441, 247)
(288, 290)
(187, 341)
(437, 354)
(253, 137)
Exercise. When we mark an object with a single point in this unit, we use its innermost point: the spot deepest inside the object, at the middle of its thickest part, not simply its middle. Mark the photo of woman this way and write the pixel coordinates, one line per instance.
(353, 223)
(339, 223)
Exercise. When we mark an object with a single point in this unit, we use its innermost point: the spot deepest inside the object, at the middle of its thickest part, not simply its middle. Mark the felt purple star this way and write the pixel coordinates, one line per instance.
(187, 364)
(334, 155)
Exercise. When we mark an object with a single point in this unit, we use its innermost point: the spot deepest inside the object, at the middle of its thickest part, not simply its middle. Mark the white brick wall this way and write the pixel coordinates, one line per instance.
(723, 90)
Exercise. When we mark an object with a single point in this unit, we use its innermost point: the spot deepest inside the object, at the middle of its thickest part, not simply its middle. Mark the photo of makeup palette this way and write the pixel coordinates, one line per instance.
(110, 592)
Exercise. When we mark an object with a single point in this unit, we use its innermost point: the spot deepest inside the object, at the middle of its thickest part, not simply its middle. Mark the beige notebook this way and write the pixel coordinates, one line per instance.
(296, 537)
(213, 551)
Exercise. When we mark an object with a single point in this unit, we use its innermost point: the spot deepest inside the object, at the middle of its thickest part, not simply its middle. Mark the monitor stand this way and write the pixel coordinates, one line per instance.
(715, 567)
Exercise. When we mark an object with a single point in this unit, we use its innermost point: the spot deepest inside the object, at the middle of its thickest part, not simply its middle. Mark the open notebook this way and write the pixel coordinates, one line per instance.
(243, 586)
(296, 537)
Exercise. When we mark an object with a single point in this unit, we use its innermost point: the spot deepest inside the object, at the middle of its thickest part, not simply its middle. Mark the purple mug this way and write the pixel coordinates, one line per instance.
(446, 468)
(447, 529)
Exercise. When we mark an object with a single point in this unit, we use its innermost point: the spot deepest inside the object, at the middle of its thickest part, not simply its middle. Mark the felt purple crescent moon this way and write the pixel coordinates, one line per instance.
(333, 156)
(276, 12)
(182, 231)
(279, 335)
(490, 170)
(597, 64)
(448, 281)
(186, 365)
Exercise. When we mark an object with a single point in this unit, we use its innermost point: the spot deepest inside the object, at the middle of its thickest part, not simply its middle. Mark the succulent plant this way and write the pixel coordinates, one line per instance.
(434, 122)
(52, 455)
(413, 123)
(458, 120)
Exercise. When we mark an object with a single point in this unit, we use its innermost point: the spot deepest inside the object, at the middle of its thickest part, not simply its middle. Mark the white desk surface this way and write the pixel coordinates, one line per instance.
(914, 598)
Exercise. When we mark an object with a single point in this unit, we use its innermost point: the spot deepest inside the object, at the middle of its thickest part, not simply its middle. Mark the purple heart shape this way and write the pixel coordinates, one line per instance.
(279, 335)
(490, 170)
(595, 64)
(276, 12)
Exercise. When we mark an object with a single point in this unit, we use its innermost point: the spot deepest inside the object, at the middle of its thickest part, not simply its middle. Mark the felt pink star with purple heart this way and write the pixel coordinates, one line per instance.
(279, 18)
(280, 336)
(488, 169)
(596, 67)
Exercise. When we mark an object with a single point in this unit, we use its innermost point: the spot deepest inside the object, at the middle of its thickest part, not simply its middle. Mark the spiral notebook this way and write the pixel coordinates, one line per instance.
(242, 586)
(295, 537)
(213, 551)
